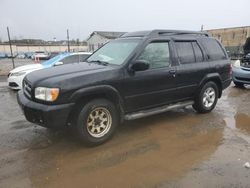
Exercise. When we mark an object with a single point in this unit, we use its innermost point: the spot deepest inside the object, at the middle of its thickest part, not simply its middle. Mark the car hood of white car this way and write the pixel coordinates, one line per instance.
(27, 68)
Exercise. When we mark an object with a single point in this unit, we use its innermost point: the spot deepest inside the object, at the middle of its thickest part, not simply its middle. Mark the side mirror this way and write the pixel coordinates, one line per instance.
(58, 63)
(139, 65)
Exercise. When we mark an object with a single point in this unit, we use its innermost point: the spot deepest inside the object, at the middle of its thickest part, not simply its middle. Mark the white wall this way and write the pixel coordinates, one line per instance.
(96, 41)
(62, 48)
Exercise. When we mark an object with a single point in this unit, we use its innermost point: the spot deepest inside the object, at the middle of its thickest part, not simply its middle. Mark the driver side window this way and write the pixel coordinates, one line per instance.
(156, 54)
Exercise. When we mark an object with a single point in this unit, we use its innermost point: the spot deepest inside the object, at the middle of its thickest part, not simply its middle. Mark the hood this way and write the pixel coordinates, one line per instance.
(27, 68)
(60, 73)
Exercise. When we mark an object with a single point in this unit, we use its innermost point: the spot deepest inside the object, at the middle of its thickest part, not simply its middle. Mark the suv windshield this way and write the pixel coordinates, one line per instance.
(114, 52)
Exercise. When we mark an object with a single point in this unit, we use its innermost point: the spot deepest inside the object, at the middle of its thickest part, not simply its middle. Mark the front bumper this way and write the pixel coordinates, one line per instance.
(15, 82)
(242, 76)
(51, 116)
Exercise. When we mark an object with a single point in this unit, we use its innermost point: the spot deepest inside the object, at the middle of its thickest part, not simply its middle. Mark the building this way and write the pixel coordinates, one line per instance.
(98, 38)
(233, 38)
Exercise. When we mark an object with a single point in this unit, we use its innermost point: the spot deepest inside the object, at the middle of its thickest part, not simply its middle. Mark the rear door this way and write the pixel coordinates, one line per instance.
(191, 69)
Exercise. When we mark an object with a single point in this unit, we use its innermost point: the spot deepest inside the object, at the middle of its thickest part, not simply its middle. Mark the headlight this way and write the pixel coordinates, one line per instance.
(17, 73)
(46, 94)
(237, 64)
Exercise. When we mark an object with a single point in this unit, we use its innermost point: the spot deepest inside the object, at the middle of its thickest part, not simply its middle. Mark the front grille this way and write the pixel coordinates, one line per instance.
(27, 89)
(243, 79)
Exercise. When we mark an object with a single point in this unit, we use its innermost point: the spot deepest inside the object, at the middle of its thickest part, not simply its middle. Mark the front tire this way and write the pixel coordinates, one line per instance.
(207, 97)
(97, 122)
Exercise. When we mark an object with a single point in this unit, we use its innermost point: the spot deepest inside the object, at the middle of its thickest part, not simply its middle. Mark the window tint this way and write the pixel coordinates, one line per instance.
(156, 54)
(71, 59)
(185, 52)
(213, 49)
(198, 53)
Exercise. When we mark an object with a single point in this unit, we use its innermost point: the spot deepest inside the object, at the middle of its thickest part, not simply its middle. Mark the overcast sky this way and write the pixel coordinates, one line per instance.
(46, 19)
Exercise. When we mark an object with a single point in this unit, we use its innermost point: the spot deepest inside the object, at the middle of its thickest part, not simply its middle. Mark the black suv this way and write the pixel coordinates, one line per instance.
(136, 75)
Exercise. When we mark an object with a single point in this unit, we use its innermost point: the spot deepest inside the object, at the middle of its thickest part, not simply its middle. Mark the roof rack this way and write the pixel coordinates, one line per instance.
(164, 32)
(178, 32)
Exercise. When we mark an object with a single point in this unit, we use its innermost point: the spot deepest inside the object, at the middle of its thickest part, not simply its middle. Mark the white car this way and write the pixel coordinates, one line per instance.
(16, 76)
(21, 56)
(40, 56)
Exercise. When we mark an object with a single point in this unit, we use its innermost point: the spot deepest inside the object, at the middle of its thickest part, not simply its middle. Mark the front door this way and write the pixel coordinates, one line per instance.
(152, 87)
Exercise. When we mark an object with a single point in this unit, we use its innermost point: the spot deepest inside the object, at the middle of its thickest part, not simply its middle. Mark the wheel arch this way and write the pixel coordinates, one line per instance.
(214, 77)
(84, 95)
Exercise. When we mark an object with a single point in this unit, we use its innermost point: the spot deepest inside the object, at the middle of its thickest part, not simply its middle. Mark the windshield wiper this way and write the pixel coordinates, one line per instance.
(99, 62)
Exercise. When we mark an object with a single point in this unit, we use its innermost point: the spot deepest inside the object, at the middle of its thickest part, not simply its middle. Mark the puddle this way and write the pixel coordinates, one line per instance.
(239, 121)
(162, 147)
(242, 122)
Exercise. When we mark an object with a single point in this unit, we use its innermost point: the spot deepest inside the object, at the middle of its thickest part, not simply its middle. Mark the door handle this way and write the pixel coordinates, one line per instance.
(172, 72)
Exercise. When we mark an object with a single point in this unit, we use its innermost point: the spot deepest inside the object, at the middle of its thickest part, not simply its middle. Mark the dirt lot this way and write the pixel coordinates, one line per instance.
(174, 149)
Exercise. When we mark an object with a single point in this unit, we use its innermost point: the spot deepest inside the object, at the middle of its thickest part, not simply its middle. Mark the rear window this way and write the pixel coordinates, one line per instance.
(213, 48)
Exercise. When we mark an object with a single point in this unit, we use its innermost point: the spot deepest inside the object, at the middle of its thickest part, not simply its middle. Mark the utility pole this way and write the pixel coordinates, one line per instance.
(202, 27)
(68, 40)
(12, 58)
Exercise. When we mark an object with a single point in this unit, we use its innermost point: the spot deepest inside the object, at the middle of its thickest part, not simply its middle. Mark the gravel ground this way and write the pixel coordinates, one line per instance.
(6, 65)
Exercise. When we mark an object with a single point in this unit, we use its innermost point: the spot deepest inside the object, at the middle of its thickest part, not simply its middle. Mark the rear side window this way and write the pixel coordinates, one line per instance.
(213, 48)
(198, 53)
(185, 52)
(157, 54)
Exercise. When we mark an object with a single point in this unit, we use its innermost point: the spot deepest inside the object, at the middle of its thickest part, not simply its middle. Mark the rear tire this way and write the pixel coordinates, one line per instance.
(206, 98)
(97, 122)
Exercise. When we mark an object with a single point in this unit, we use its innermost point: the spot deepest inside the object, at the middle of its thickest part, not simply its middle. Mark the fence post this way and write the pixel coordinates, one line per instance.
(12, 58)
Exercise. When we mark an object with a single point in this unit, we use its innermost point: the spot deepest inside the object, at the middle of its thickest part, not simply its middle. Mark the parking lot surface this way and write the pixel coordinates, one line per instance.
(176, 149)
(6, 64)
